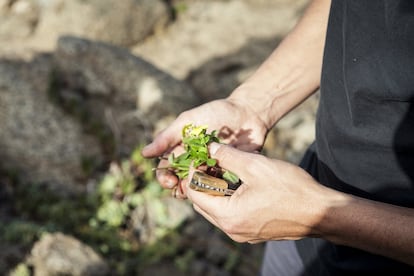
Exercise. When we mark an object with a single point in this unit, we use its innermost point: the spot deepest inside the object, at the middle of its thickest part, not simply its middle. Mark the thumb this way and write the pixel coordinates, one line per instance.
(231, 158)
(163, 142)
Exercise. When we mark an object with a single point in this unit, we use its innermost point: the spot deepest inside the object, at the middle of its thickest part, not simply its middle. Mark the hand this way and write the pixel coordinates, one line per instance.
(236, 125)
(277, 200)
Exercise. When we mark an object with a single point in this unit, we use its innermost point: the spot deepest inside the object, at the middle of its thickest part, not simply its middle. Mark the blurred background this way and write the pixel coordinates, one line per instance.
(83, 85)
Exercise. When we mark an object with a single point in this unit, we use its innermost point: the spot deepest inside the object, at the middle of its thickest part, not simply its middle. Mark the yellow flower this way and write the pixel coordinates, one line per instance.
(194, 131)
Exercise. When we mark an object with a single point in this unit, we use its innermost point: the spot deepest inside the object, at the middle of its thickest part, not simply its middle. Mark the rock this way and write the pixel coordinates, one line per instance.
(178, 211)
(206, 30)
(158, 215)
(218, 77)
(18, 19)
(58, 254)
(118, 22)
(37, 139)
(130, 94)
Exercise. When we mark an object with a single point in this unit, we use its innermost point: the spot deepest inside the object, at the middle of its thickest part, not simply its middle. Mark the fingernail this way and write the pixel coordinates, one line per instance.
(165, 180)
(213, 147)
(146, 147)
(170, 183)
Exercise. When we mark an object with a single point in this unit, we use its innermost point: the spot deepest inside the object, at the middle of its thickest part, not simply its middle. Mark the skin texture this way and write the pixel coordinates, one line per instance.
(278, 200)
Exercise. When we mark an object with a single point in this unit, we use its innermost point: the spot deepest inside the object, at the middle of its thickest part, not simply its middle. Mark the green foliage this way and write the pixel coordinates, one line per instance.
(99, 219)
(232, 260)
(120, 190)
(195, 140)
(230, 177)
(21, 270)
(21, 231)
(102, 218)
(113, 212)
(183, 261)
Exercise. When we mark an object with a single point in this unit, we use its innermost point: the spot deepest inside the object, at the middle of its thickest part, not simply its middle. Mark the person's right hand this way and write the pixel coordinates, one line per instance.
(236, 124)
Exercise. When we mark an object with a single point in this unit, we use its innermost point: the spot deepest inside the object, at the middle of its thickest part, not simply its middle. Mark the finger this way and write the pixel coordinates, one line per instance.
(177, 192)
(181, 191)
(215, 222)
(231, 158)
(164, 141)
(166, 178)
(212, 205)
(206, 215)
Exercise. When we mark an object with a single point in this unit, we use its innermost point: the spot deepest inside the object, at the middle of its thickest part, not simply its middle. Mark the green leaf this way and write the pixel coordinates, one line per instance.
(108, 184)
(203, 150)
(195, 140)
(231, 177)
(135, 199)
(112, 213)
(171, 158)
(211, 162)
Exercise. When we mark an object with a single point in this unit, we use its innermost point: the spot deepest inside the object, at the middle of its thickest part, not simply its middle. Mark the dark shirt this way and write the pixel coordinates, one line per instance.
(365, 123)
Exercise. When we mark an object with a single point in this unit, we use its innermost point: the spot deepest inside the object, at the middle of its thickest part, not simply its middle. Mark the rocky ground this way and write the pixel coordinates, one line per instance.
(82, 83)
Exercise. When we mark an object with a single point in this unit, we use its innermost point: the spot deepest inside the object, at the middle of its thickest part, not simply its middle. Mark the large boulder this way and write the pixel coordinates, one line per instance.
(128, 93)
(218, 77)
(37, 139)
(118, 22)
(206, 30)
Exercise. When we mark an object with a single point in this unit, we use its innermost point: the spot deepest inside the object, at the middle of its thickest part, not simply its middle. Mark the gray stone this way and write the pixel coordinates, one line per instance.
(218, 77)
(58, 254)
(125, 90)
(118, 22)
(208, 30)
(38, 139)
(155, 214)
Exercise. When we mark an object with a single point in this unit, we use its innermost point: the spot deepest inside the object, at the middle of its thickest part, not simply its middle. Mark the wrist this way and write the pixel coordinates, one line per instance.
(258, 101)
(327, 204)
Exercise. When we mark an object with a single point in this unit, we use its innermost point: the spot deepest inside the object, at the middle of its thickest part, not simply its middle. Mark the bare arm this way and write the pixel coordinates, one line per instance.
(286, 78)
(376, 227)
(280, 201)
(289, 75)
(292, 72)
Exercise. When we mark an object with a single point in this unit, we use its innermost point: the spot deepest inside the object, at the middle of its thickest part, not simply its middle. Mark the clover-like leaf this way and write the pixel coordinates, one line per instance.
(195, 140)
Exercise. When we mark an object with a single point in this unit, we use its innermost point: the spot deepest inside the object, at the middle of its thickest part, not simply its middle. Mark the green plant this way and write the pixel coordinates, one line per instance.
(120, 190)
(195, 140)
(130, 186)
(20, 270)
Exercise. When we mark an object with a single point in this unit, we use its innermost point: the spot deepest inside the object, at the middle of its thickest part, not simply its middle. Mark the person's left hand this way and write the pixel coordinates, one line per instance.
(277, 200)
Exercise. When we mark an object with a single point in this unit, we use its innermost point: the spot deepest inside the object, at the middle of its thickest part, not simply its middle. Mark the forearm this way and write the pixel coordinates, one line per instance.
(292, 72)
(376, 227)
